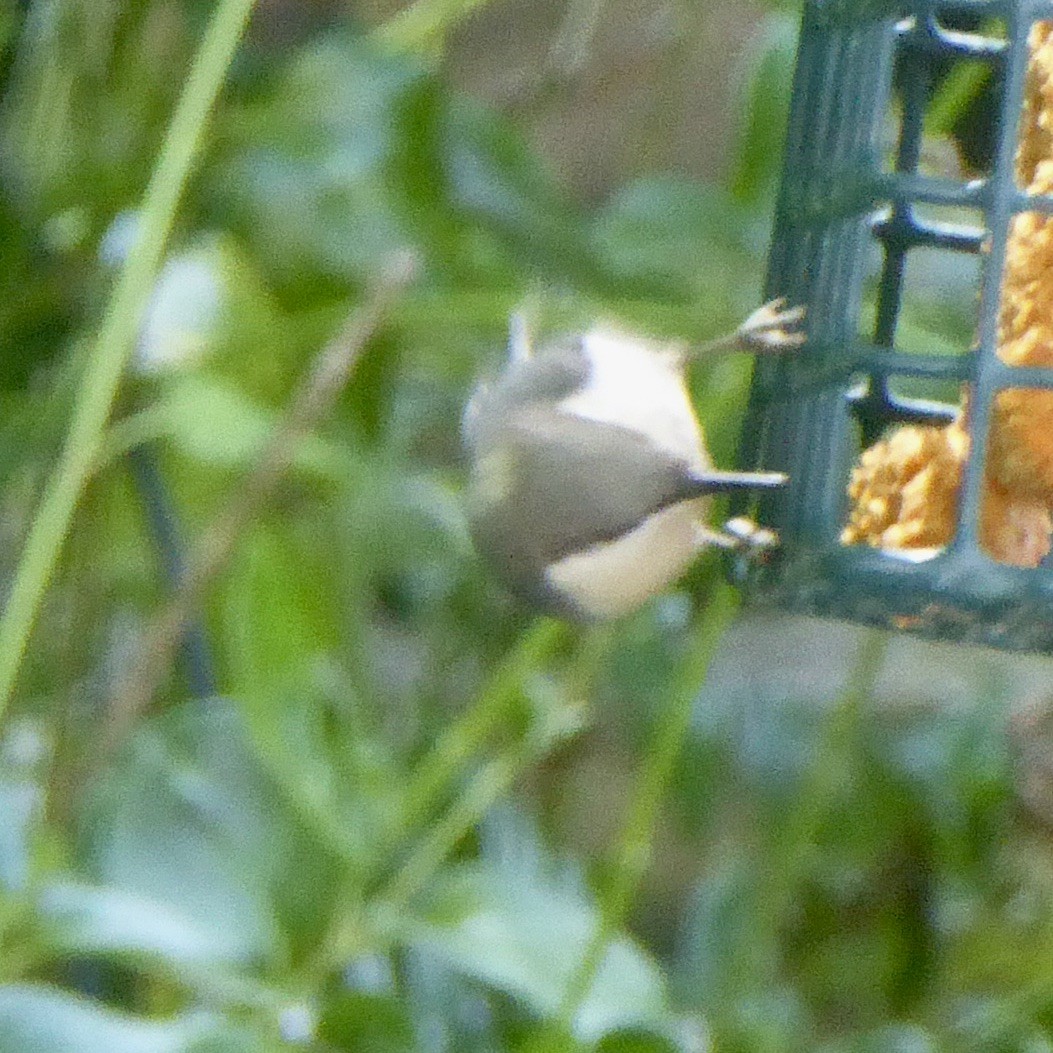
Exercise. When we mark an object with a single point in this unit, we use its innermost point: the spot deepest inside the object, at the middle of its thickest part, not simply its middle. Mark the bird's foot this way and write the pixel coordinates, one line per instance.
(741, 535)
(773, 327)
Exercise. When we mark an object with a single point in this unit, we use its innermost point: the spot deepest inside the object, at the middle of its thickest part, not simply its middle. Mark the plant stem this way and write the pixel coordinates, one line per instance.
(116, 336)
(634, 846)
(461, 744)
(423, 25)
(312, 401)
(789, 853)
(795, 846)
(465, 738)
(483, 789)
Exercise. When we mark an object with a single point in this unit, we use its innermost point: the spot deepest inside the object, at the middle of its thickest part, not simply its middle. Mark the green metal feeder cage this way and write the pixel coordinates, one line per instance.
(812, 413)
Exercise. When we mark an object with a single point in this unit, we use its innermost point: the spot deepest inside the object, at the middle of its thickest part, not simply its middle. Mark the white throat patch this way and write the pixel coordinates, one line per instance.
(639, 386)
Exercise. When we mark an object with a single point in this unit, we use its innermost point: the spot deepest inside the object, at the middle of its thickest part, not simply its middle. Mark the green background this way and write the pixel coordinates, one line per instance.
(409, 808)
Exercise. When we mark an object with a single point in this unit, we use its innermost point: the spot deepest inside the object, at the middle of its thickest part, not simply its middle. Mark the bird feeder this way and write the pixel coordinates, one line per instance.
(927, 516)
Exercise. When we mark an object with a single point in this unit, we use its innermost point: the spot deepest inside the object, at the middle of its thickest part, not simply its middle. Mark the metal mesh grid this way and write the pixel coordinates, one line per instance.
(810, 414)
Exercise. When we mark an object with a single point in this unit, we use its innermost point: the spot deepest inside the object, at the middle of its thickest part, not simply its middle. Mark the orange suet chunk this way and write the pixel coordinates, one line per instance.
(904, 495)
(1020, 457)
(1014, 528)
(904, 491)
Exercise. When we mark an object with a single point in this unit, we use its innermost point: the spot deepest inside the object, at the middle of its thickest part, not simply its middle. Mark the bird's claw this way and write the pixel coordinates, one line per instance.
(773, 327)
(742, 536)
(751, 539)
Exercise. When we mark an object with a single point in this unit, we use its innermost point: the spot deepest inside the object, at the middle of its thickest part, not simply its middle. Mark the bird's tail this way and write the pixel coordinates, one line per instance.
(700, 484)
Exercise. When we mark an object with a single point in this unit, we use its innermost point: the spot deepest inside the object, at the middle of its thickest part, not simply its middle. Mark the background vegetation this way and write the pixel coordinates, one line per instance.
(379, 808)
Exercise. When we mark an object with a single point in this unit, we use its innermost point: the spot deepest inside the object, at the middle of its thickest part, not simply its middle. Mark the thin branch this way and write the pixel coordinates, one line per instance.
(207, 559)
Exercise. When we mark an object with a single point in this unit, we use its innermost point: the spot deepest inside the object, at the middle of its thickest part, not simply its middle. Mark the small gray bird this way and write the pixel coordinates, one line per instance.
(589, 472)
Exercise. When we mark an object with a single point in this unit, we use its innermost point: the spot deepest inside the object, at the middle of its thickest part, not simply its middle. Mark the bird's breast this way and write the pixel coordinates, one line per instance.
(612, 578)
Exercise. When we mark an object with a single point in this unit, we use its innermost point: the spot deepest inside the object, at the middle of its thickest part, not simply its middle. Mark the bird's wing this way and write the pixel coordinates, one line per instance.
(583, 482)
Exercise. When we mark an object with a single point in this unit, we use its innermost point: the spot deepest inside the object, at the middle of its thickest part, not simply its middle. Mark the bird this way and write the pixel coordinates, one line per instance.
(589, 479)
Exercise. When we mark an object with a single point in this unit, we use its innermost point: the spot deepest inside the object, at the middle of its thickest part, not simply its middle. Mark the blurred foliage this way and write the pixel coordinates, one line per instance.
(361, 841)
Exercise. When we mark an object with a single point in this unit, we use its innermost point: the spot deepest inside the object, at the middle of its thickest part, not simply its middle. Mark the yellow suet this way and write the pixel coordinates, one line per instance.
(904, 491)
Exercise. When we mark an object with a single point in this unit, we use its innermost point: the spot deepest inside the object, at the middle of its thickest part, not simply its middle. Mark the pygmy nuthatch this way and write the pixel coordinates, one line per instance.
(590, 477)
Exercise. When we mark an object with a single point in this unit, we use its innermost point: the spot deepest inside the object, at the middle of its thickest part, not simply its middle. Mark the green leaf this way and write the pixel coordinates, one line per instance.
(526, 942)
(895, 1038)
(189, 821)
(956, 92)
(359, 152)
(635, 1041)
(276, 650)
(526, 932)
(19, 806)
(306, 176)
(39, 1019)
(333, 773)
(462, 171)
(209, 420)
(424, 25)
(85, 920)
(764, 104)
(671, 235)
(378, 1023)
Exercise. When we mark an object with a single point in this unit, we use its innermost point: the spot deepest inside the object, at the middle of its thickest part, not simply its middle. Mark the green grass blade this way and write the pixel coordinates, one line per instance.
(116, 337)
